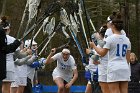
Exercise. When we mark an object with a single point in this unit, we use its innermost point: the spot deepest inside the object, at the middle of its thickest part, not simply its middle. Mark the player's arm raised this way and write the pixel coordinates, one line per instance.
(49, 58)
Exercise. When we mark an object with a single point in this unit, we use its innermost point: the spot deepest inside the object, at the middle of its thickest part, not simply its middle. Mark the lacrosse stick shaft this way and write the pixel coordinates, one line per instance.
(76, 41)
(85, 11)
(47, 13)
(33, 26)
(65, 45)
(82, 24)
(37, 32)
(28, 32)
(47, 43)
(91, 22)
(23, 17)
(92, 25)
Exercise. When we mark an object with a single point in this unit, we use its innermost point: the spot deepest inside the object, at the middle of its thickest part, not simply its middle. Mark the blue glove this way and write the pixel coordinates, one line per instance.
(87, 75)
(35, 64)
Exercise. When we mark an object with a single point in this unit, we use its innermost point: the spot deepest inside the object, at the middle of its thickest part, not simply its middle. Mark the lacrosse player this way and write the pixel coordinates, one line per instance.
(118, 48)
(65, 74)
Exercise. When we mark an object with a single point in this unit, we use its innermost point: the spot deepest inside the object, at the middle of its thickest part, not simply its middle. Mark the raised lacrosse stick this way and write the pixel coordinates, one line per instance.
(82, 24)
(42, 27)
(49, 30)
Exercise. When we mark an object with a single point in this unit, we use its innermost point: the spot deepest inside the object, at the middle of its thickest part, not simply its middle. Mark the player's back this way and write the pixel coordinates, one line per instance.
(118, 46)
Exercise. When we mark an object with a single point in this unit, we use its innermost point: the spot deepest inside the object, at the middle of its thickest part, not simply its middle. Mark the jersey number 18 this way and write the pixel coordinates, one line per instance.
(123, 52)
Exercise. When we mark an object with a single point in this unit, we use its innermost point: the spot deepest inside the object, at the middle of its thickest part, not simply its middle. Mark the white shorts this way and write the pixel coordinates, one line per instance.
(9, 77)
(57, 74)
(102, 72)
(22, 81)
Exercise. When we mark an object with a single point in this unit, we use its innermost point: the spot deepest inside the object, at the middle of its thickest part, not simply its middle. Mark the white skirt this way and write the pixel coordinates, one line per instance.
(118, 73)
(57, 74)
(102, 72)
(9, 77)
(22, 81)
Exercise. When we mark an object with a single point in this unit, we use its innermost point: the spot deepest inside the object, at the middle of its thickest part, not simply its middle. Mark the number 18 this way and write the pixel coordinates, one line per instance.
(124, 49)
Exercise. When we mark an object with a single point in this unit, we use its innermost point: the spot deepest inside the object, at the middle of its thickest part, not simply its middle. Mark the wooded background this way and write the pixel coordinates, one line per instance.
(98, 10)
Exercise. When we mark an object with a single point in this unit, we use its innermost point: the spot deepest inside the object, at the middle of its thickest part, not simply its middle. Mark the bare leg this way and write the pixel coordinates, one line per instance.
(104, 87)
(21, 89)
(66, 90)
(13, 90)
(6, 87)
(114, 87)
(60, 84)
(88, 88)
(124, 87)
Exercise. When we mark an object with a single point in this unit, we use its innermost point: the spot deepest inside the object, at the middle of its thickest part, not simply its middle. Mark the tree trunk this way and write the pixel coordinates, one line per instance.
(3, 8)
(137, 26)
(126, 22)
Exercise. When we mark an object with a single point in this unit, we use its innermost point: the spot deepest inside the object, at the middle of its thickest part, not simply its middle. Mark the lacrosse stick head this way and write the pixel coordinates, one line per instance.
(64, 17)
(74, 25)
(46, 21)
(49, 28)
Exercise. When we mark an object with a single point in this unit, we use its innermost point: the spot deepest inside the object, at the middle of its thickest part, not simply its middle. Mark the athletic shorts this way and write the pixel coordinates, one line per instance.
(57, 74)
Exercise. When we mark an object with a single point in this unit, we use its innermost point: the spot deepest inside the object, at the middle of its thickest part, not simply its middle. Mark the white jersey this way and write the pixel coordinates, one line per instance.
(102, 68)
(64, 68)
(92, 67)
(23, 70)
(30, 73)
(109, 32)
(118, 69)
(9, 57)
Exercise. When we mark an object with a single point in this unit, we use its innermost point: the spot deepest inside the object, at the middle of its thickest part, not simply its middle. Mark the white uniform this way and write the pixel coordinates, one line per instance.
(30, 73)
(22, 75)
(92, 67)
(64, 69)
(118, 68)
(16, 82)
(10, 62)
(109, 32)
(102, 67)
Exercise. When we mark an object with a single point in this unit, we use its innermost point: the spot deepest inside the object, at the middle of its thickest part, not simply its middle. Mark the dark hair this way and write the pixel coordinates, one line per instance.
(118, 22)
(112, 16)
(103, 30)
(4, 22)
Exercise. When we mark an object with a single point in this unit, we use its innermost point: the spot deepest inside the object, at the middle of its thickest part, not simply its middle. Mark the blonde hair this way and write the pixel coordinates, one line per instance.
(134, 55)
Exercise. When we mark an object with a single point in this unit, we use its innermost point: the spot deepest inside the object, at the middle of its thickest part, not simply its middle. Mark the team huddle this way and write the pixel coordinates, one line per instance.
(110, 55)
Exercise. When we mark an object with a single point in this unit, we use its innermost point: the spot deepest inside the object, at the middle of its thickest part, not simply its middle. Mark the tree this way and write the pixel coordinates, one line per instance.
(3, 8)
